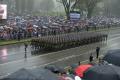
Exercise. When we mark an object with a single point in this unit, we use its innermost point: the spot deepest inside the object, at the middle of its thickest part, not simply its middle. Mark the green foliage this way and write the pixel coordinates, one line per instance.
(82, 5)
(112, 7)
(24, 6)
(68, 6)
(87, 5)
(8, 42)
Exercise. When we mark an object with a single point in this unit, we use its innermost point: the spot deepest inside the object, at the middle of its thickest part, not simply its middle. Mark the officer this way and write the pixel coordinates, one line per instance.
(97, 52)
(26, 45)
(91, 58)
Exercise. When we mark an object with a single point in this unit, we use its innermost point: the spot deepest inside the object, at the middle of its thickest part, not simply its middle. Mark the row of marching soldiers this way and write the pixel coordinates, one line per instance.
(67, 40)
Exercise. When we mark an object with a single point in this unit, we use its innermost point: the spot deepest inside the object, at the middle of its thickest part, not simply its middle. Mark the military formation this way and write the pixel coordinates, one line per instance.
(64, 41)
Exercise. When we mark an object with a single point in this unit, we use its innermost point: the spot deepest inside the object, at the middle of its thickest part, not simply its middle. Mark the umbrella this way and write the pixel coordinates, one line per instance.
(35, 26)
(102, 72)
(74, 66)
(113, 56)
(44, 27)
(44, 74)
(81, 69)
(54, 68)
(33, 74)
(22, 74)
(1, 27)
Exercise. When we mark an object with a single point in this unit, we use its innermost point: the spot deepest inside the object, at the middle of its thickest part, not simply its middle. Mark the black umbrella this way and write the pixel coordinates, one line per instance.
(113, 56)
(102, 72)
(54, 68)
(44, 74)
(33, 74)
(22, 74)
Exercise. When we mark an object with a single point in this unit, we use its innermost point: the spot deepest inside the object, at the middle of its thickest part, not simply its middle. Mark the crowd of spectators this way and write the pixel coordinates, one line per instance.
(21, 27)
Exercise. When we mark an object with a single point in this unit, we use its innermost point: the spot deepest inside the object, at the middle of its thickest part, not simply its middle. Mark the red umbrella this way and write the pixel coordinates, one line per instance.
(81, 69)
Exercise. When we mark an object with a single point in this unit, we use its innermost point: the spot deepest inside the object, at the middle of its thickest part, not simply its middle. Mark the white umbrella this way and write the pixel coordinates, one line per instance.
(35, 26)
(44, 27)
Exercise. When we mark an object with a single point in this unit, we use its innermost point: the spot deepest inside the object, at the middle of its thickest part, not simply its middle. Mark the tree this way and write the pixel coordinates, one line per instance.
(110, 9)
(69, 5)
(82, 5)
(24, 5)
(29, 6)
(18, 6)
(47, 5)
(87, 5)
(90, 5)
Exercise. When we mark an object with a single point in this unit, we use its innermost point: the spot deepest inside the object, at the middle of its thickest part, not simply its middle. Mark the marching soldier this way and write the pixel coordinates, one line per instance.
(67, 40)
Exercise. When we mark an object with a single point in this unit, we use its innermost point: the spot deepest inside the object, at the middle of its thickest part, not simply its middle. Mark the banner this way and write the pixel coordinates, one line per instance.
(3, 11)
(74, 16)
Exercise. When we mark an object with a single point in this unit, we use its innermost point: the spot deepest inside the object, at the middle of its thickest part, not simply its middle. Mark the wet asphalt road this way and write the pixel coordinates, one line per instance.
(12, 56)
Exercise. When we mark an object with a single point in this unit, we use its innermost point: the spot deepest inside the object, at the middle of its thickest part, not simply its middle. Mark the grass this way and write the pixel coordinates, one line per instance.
(8, 42)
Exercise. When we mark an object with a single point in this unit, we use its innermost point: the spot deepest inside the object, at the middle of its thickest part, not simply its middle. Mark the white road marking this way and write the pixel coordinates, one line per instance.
(113, 39)
(115, 35)
(49, 64)
(34, 57)
(62, 59)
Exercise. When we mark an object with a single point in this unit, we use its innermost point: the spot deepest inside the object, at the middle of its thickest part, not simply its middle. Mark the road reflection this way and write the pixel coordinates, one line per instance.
(3, 54)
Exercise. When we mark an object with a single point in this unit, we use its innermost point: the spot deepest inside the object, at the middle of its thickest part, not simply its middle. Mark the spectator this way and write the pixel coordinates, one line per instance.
(77, 78)
(63, 76)
(91, 58)
(97, 52)
(79, 63)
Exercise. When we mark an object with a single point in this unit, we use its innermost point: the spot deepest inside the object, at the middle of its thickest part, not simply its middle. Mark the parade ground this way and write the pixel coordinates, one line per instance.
(12, 56)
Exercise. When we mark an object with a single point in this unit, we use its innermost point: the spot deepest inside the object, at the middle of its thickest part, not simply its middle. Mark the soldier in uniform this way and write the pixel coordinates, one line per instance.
(91, 58)
(97, 52)
(26, 45)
